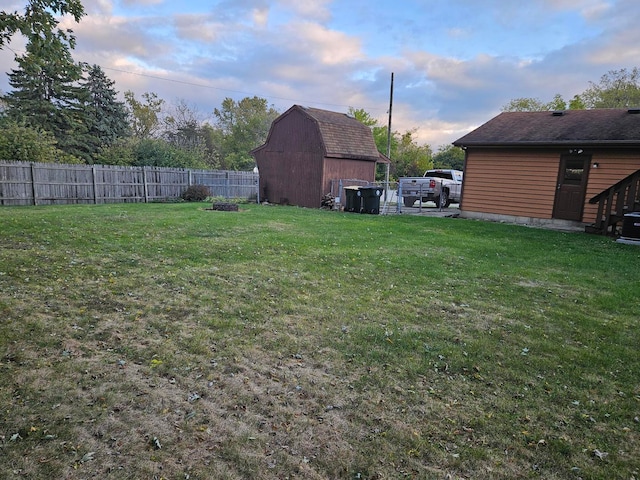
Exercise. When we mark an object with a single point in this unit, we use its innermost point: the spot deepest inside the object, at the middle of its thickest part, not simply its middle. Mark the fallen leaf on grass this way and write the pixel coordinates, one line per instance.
(599, 454)
(88, 457)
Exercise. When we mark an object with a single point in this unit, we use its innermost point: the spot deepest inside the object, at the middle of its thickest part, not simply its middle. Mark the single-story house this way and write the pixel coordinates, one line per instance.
(575, 167)
(307, 149)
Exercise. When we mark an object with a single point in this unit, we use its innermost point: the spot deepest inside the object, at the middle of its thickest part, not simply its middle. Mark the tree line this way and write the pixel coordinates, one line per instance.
(616, 89)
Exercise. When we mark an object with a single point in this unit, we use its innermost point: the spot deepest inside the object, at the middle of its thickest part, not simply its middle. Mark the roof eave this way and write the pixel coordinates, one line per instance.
(563, 143)
(346, 156)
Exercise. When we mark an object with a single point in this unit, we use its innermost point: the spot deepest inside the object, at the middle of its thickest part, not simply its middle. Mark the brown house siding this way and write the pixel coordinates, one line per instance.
(613, 166)
(505, 182)
(513, 162)
(522, 182)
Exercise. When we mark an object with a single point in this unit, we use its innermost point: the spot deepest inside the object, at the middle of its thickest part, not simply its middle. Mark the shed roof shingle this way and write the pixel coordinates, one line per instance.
(343, 136)
(572, 127)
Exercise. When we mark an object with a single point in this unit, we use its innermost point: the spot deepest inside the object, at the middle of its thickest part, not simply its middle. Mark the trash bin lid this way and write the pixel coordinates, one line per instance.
(377, 191)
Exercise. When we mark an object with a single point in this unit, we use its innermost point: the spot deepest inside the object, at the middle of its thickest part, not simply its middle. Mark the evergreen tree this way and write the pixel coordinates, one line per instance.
(107, 118)
(46, 95)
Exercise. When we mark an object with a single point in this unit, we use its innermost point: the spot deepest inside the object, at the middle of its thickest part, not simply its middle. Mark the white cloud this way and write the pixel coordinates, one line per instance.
(315, 10)
(142, 2)
(319, 43)
(198, 27)
(260, 17)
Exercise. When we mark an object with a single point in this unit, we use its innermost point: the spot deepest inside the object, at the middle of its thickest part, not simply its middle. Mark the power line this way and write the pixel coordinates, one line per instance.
(201, 85)
(240, 92)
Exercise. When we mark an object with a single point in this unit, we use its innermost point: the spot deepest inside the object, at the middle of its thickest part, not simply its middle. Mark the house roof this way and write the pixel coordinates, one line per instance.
(568, 127)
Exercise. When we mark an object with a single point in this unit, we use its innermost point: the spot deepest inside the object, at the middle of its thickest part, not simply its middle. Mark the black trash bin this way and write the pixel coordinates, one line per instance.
(370, 199)
(631, 226)
(352, 201)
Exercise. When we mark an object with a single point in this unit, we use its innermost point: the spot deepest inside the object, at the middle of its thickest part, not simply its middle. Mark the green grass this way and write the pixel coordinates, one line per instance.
(171, 341)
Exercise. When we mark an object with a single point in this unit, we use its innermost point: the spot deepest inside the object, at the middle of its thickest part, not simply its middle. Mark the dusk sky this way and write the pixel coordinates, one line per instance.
(456, 62)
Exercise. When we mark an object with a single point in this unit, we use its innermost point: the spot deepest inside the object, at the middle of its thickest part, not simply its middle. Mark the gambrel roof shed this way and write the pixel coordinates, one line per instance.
(307, 148)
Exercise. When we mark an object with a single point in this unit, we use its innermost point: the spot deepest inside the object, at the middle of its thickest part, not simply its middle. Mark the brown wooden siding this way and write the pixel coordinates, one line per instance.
(522, 182)
(290, 164)
(505, 182)
(295, 132)
(613, 166)
(290, 178)
(335, 169)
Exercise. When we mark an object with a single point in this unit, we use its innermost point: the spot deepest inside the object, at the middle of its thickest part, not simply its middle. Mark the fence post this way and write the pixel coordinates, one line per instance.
(226, 185)
(190, 178)
(95, 187)
(146, 185)
(33, 184)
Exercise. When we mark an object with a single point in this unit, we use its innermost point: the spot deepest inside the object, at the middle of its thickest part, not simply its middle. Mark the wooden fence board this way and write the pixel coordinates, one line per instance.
(23, 183)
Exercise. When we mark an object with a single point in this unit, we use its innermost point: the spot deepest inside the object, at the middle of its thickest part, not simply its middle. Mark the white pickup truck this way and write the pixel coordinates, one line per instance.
(440, 186)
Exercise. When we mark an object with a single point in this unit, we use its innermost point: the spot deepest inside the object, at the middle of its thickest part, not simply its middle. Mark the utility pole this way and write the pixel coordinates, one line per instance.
(386, 177)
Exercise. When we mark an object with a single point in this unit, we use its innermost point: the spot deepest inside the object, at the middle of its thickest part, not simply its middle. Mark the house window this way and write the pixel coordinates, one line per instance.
(574, 171)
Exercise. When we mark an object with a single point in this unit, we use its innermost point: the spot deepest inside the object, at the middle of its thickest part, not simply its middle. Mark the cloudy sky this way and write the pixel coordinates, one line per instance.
(455, 62)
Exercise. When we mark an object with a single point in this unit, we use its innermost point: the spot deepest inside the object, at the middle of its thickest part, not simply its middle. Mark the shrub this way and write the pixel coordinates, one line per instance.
(196, 193)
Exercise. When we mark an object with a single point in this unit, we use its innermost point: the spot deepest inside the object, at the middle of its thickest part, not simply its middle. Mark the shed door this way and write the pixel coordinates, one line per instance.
(572, 187)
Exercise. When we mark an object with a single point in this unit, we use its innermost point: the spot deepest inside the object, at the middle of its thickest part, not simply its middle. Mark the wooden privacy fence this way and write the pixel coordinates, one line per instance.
(24, 183)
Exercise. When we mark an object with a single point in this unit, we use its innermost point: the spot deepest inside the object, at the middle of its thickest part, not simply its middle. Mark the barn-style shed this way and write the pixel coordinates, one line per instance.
(307, 149)
(573, 167)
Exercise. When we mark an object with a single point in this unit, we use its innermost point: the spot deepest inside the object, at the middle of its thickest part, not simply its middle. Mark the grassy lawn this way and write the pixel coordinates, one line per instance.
(170, 341)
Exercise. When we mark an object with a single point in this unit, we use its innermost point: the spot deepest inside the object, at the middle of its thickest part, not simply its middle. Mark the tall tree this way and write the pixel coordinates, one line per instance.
(38, 20)
(529, 104)
(362, 116)
(107, 117)
(413, 159)
(407, 157)
(449, 156)
(616, 89)
(46, 94)
(243, 126)
(379, 132)
(144, 114)
(184, 129)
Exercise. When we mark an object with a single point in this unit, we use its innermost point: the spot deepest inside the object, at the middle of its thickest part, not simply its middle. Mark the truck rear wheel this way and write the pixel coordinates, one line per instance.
(409, 201)
(443, 201)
